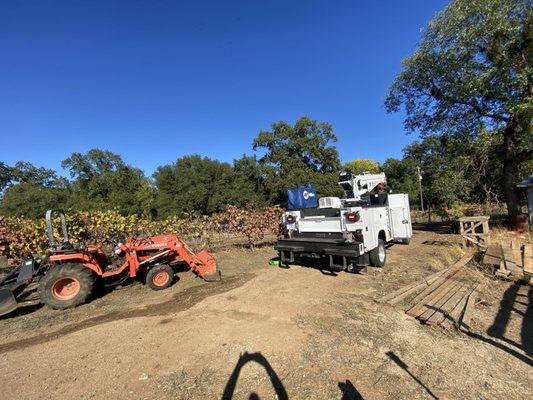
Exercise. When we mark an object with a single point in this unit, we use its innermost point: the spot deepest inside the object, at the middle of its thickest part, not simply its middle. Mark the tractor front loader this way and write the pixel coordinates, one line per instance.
(14, 284)
(71, 270)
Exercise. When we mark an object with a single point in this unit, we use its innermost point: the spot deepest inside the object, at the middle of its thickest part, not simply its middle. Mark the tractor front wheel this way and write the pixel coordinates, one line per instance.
(160, 277)
(65, 286)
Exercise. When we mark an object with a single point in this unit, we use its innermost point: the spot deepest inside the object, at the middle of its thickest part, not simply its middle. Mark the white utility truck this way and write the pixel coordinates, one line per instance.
(350, 233)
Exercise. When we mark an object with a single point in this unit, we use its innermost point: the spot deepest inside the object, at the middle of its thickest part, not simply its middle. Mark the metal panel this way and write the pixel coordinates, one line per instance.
(400, 216)
(370, 233)
(320, 224)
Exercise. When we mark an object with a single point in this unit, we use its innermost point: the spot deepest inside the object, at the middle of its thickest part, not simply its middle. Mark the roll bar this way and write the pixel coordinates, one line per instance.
(50, 230)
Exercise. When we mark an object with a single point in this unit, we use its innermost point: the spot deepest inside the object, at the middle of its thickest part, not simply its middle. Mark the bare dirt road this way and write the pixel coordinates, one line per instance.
(267, 332)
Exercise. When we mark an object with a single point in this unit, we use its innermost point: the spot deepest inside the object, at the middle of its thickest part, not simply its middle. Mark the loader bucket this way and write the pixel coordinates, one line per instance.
(207, 267)
(8, 303)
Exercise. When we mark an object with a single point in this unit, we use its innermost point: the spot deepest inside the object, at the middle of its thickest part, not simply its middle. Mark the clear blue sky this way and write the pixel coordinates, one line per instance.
(155, 80)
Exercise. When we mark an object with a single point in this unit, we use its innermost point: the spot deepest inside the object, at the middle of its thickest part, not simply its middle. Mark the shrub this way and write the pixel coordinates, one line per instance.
(20, 236)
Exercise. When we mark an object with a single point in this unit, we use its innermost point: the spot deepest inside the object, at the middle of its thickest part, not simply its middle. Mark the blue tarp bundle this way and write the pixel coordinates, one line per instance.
(302, 197)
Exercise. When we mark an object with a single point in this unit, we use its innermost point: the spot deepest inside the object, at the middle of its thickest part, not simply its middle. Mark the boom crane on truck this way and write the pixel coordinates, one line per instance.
(349, 233)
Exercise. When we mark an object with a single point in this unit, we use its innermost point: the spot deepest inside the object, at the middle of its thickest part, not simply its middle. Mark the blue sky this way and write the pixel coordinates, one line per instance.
(155, 80)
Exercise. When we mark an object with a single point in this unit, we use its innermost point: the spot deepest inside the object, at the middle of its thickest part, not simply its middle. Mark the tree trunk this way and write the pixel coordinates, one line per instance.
(510, 172)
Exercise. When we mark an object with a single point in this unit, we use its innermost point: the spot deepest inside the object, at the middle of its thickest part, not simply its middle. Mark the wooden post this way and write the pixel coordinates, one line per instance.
(528, 262)
(420, 189)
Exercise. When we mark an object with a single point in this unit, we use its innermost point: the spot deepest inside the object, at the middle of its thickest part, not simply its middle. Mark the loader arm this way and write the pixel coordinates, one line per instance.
(172, 247)
(203, 264)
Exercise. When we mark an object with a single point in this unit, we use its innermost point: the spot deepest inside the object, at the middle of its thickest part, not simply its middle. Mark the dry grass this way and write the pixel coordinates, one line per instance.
(505, 236)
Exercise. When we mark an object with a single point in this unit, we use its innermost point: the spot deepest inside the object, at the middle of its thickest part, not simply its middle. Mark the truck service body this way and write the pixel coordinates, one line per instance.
(348, 233)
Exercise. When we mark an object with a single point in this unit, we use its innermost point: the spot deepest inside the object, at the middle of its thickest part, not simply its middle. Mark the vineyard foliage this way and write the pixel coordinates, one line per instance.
(20, 236)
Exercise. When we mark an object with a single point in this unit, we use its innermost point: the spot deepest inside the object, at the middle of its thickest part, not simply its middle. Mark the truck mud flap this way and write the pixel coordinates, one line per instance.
(346, 260)
(286, 253)
(337, 263)
(286, 256)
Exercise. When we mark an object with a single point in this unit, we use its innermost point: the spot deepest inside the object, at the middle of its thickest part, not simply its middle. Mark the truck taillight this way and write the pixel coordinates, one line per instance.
(353, 216)
(290, 219)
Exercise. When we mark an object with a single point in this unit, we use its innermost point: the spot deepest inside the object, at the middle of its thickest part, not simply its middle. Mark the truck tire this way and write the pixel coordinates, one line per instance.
(65, 286)
(378, 256)
(160, 277)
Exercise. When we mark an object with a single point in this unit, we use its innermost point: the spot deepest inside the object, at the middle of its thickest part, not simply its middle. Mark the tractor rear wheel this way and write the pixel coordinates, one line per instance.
(65, 286)
(160, 277)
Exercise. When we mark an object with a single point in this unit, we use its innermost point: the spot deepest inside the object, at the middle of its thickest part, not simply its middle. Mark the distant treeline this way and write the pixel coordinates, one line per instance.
(453, 172)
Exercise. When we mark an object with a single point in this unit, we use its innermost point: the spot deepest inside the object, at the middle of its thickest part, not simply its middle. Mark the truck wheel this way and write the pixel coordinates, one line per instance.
(65, 286)
(160, 277)
(378, 256)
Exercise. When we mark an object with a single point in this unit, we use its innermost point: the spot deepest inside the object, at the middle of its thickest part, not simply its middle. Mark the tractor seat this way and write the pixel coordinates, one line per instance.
(66, 248)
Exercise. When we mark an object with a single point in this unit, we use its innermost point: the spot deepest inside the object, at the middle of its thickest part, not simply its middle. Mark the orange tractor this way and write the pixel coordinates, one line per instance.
(72, 270)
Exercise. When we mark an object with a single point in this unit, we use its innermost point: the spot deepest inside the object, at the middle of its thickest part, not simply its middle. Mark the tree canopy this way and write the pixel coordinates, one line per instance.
(195, 184)
(102, 181)
(28, 190)
(472, 74)
(31, 200)
(298, 154)
(402, 177)
(361, 165)
(96, 162)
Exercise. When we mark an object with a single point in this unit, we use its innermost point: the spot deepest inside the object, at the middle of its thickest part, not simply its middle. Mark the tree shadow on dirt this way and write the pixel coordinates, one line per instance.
(498, 328)
(349, 392)
(436, 227)
(508, 305)
(444, 243)
(244, 359)
(501, 320)
(405, 367)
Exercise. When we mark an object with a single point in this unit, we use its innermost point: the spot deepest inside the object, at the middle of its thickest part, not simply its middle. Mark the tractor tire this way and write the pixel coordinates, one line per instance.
(66, 286)
(160, 277)
(378, 256)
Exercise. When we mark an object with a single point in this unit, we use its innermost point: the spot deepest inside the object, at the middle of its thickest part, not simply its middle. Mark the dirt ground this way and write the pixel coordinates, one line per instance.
(267, 332)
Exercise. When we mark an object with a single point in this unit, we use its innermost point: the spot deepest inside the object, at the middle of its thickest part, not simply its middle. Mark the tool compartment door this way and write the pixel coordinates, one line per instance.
(400, 216)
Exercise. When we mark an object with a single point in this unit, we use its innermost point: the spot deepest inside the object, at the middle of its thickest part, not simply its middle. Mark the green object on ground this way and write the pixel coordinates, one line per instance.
(274, 261)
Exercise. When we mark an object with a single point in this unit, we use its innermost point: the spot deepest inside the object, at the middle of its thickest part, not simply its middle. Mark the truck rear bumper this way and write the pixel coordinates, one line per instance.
(320, 246)
(340, 254)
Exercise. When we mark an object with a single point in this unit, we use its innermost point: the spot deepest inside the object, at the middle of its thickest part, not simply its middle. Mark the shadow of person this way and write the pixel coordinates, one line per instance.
(244, 359)
(349, 392)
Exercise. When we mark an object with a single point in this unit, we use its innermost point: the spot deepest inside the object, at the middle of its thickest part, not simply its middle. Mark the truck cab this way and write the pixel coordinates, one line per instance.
(348, 233)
